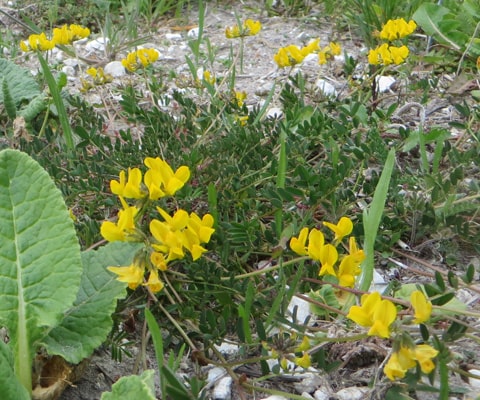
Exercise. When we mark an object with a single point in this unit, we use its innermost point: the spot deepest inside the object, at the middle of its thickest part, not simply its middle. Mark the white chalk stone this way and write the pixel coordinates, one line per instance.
(173, 36)
(474, 382)
(309, 383)
(352, 393)
(193, 33)
(326, 87)
(215, 373)
(227, 349)
(97, 45)
(384, 83)
(223, 389)
(321, 394)
(275, 397)
(115, 68)
(303, 309)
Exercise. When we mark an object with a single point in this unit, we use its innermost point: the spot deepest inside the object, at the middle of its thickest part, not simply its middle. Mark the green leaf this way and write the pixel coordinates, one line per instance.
(88, 322)
(133, 387)
(11, 388)
(429, 16)
(21, 83)
(40, 264)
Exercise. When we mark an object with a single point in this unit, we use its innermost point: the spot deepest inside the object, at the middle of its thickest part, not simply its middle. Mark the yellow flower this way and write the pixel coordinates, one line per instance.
(240, 98)
(62, 36)
(123, 229)
(342, 229)
(375, 313)
(322, 58)
(288, 56)
(404, 359)
(249, 28)
(24, 46)
(140, 58)
(304, 361)
(298, 245)
(335, 49)
(133, 275)
(131, 189)
(208, 77)
(424, 354)
(160, 179)
(397, 29)
(40, 42)
(328, 258)
(158, 261)
(153, 282)
(399, 363)
(316, 241)
(398, 54)
(304, 346)
(386, 55)
(169, 234)
(79, 32)
(311, 47)
(350, 266)
(421, 306)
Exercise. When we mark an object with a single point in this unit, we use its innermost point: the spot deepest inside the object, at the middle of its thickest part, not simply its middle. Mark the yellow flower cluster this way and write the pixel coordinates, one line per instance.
(292, 55)
(248, 28)
(169, 238)
(397, 29)
(97, 77)
(379, 314)
(140, 58)
(406, 358)
(387, 54)
(60, 36)
(327, 254)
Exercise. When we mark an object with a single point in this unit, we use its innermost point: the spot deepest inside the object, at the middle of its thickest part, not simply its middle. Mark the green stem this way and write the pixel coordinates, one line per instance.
(265, 270)
(58, 101)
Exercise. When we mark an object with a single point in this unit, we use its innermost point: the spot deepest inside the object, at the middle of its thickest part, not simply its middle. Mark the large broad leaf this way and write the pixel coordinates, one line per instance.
(21, 83)
(133, 387)
(40, 263)
(11, 388)
(430, 18)
(88, 322)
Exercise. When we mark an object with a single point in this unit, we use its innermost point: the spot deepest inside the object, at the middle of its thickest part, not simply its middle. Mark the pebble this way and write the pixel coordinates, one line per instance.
(321, 394)
(227, 349)
(326, 87)
(71, 62)
(302, 309)
(384, 83)
(309, 383)
(193, 33)
(378, 284)
(474, 382)
(115, 68)
(275, 397)
(173, 36)
(69, 71)
(215, 373)
(352, 393)
(223, 389)
(264, 89)
(97, 45)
